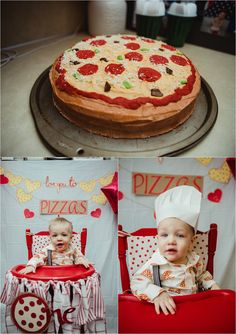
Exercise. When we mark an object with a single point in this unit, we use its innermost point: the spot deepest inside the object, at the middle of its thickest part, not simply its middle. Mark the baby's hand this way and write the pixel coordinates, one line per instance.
(84, 262)
(27, 270)
(165, 303)
(215, 287)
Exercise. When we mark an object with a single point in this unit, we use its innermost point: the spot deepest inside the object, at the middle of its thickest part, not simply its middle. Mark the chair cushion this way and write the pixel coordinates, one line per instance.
(141, 248)
(41, 241)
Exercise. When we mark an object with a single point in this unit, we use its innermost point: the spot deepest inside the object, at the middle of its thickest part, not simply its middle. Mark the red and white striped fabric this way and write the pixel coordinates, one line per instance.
(86, 299)
(140, 249)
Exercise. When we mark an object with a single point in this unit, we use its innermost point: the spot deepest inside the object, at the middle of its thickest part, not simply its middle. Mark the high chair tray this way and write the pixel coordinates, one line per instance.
(59, 273)
(204, 312)
(69, 140)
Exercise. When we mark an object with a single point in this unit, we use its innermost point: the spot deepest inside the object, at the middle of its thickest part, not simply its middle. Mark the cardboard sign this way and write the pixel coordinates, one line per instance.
(65, 207)
(155, 184)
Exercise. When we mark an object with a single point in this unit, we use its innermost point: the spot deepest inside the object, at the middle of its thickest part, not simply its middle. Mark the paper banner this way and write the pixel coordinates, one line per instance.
(155, 184)
(65, 207)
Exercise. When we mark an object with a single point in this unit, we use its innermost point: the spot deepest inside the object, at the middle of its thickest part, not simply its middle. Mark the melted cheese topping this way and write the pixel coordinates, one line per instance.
(128, 84)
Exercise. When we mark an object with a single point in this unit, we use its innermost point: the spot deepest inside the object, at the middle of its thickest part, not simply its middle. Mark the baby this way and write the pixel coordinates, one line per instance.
(62, 252)
(181, 270)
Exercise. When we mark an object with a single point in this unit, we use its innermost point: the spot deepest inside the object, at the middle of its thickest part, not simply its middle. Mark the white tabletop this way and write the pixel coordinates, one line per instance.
(21, 139)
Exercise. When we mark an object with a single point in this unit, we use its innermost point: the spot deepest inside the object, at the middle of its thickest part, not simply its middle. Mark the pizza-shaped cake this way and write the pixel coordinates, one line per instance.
(124, 86)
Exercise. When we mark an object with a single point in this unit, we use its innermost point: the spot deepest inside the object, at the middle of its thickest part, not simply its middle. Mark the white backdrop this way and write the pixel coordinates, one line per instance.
(90, 175)
(138, 211)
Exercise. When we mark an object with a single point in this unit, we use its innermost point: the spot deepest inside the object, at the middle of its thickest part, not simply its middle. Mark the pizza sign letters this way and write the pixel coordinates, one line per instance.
(155, 184)
(63, 207)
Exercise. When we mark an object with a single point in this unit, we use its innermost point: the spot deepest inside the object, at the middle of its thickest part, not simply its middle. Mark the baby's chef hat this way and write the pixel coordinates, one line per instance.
(182, 202)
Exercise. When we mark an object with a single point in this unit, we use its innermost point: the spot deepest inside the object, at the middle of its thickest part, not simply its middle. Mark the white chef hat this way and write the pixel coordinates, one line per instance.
(182, 202)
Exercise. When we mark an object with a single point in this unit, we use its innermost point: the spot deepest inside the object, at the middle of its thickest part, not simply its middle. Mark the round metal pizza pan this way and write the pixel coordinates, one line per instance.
(66, 139)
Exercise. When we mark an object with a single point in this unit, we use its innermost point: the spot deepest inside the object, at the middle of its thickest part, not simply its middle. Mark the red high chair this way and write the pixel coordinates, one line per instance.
(35, 243)
(204, 312)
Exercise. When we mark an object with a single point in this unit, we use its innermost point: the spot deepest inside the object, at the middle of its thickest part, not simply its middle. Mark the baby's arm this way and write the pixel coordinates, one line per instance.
(79, 258)
(36, 261)
(143, 287)
(205, 279)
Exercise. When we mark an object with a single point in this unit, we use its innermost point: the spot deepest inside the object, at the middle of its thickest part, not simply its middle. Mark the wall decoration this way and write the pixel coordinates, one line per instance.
(96, 213)
(28, 213)
(99, 199)
(71, 183)
(120, 195)
(105, 180)
(13, 179)
(215, 196)
(32, 185)
(22, 196)
(87, 186)
(222, 174)
(3, 179)
(204, 161)
(63, 207)
(154, 184)
(111, 192)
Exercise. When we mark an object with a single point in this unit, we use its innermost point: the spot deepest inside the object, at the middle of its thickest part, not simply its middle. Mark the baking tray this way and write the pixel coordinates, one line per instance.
(66, 139)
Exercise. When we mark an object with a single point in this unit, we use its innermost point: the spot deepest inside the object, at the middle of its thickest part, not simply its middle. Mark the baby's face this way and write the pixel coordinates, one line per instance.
(174, 240)
(60, 235)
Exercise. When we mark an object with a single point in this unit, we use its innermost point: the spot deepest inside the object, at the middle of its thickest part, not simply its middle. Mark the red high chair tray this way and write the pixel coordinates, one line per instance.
(204, 312)
(60, 273)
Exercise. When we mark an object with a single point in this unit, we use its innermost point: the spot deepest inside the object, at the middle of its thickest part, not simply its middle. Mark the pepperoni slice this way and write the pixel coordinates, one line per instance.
(168, 47)
(132, 46)
(86, 39)
(88, 69)
(134, 56)
(114, 69)
(58, 66)
(155, 59)
(84, 54)
(132, 38)
(179, 60)
(98, 42)
(148, 74)
(148, 40)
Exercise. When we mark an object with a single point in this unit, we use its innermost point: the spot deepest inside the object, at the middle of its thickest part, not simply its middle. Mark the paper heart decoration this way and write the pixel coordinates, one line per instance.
(96, 213)
(99, 199)
(23, 196)
(13, 179)
(215, 196)
(106, 180)
(28, 213)
(120, 195)
(204, 161)
(111, 192)
(3, 179)
(221, 174)
(32, 185)
(87, 186)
